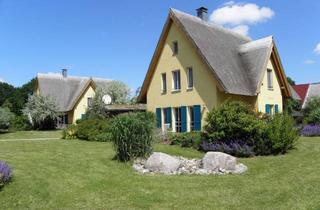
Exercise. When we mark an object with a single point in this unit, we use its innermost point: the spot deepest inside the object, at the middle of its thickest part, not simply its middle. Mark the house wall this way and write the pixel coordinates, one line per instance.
(267, 96)
(205, 90)
(82, 105)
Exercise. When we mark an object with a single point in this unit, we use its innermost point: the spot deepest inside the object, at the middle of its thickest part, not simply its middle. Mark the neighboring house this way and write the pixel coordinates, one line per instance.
(307, 91)
(198, 65)
(72, 95)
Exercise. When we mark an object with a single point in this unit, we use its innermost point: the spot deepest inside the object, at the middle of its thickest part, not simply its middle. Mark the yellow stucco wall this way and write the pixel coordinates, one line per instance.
(82, 105)
(267, 96)
(204, 92)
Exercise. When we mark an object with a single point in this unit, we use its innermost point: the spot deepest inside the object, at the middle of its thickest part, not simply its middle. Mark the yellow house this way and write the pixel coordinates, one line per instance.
(198, 65)
(73, 95)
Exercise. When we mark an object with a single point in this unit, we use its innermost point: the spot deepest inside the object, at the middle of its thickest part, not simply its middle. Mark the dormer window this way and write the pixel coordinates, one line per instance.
(270, 79)
(175, 47)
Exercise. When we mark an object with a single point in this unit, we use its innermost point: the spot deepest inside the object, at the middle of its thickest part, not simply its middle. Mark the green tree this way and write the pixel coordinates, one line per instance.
(291, 81)
(18, 98)
(6, 118)
(5, 91)
(42, 111)
(118, 91)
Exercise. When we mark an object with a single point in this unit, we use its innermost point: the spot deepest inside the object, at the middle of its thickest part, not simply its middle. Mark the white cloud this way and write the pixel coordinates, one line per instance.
(2, 80)
(241, 29)
(317, 49)
(309, 61)
(241, 13)
(229, 3)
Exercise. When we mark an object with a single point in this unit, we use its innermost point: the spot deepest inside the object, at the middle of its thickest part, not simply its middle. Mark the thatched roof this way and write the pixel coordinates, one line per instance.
(66, 90)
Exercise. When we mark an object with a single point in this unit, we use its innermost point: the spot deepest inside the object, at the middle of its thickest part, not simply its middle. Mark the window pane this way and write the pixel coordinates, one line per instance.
(175, 47)
(270, 82)
(164, 82)
(176, 80)
(190, 77)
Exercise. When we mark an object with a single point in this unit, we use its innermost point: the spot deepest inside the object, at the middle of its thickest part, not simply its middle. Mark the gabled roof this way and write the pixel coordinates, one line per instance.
(309, 91)
(294, 93)
(66, 91)
(301, 90)
(235, 60)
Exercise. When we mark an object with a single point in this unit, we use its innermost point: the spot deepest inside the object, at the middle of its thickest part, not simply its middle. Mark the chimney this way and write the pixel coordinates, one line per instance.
(202, 13)
(64, 73)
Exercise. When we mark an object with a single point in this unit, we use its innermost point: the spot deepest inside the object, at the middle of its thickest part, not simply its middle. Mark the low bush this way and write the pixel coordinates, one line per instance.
(21, 123)
(191, 139)
(132, 135)
(281, 133)
(310, 130)
(233, 120)
(235, 148)
(94, 130)
(5, 173)
(70, 132)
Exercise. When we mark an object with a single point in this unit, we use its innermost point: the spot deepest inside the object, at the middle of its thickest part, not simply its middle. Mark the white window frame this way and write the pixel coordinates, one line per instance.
(176, 82)
(163, 83)
(190, 78)
(89, 101)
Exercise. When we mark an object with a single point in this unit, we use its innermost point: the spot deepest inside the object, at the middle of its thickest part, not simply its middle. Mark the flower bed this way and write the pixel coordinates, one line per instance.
(310, 130)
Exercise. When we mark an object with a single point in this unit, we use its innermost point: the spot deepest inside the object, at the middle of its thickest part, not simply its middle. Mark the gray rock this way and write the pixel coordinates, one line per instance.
(240, 168)
(219, 162)
(163, 163)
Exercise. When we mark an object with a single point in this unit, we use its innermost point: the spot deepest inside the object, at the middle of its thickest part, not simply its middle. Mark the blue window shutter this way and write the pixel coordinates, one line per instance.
(83, 116)
(197, 117)
(183, 119)
(276, 108)
(268, 110)
(169, 118)
(158, 113)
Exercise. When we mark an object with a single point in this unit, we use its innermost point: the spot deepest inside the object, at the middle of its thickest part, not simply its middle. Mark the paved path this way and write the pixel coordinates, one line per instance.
(35, 139)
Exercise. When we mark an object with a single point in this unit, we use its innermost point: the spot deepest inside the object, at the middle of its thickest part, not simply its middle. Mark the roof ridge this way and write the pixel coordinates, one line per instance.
(256, 44)
(212, 25)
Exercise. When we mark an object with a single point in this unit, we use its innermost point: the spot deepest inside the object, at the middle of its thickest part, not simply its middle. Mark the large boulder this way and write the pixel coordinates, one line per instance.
(163, 163)
(219, 161)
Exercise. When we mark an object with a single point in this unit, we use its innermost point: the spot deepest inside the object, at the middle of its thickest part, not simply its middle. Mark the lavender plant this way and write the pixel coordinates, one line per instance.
(310, 130)
(234, 147)
(5, 173)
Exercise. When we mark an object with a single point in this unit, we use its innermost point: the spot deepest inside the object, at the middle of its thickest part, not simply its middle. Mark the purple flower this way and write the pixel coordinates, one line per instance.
(236, 148)
(310, 130)
(5, 173)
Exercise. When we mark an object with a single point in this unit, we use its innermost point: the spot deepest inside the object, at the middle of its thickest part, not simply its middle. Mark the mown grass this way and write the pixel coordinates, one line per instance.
(62, 174)
(30, 134)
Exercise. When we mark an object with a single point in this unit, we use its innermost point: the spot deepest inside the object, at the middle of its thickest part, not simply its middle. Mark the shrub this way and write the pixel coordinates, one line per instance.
(93, 130)
(5, 118)
(5, 173)
(132, 135)
(233, 120)
(191, 139)
(310, 130)
(235, 148)
(314, 116)
(21, 123)
(70, 132)
(312, 104)
(281, 133)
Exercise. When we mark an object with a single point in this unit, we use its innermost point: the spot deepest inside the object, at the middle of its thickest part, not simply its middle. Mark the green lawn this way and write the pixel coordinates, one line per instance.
(62, 174)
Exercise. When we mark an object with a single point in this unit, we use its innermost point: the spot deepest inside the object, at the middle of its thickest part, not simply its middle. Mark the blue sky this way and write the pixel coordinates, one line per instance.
(116, 39)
